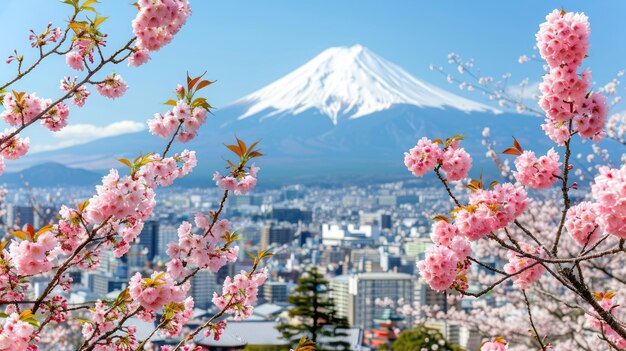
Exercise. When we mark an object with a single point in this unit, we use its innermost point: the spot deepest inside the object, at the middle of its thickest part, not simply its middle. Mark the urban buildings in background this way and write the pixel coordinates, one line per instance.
(366, 239)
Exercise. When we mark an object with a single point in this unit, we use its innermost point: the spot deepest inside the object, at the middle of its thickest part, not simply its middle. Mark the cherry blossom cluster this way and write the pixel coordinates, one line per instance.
(21, 109)
(240, 183)
(80, 95)
(609, 191)
(181, 116)
(36, 256)
(157, 291)
(50, 35)
(15, 334)
(524, 270)
(163, 171)
(427, 155)
(239, 293)
(536, 172)
(446, 263)
(563, 41)
(157, 22)
(497, 344)
(14, 147)
(104, 319)
(112, 87)
(581, 224)
(490, 210)
(201, 251)
(607, 302)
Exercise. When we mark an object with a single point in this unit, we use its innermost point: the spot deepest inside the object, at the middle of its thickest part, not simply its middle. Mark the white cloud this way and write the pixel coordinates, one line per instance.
(526, 93)
(76, 134)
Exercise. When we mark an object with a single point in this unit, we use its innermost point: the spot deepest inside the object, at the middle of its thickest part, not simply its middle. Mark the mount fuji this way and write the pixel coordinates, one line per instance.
(346, 114)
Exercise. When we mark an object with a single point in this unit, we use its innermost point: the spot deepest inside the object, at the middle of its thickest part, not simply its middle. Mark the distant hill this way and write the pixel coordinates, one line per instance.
(52, 174)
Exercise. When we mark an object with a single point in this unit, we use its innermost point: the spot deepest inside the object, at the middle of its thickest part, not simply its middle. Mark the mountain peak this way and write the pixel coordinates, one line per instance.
(349, 82)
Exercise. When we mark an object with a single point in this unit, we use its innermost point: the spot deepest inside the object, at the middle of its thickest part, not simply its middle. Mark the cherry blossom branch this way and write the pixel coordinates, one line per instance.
(532, 323)
(565, 192)
(69, 93)
(42, 56)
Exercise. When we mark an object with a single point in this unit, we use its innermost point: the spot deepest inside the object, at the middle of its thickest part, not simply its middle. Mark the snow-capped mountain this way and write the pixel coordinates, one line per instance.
(349, 82)
(346, 114)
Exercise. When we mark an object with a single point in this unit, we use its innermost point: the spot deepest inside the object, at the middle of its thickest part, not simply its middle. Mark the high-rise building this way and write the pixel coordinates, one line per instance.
(203, 285)
(385, 221)
(148, 239)
(19, 215)
(292, 215)
(276, 234)
(363, 291)
(167, 234)
(275, 292)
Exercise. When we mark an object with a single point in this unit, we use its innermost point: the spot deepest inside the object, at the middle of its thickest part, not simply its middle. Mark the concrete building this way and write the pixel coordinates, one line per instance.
(203, 285)
(350, 234)
(276, 234)
(357, 302)
(275, 292)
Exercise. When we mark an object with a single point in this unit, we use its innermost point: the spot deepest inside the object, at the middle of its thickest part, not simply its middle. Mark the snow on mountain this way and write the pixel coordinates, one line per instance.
(349, 82)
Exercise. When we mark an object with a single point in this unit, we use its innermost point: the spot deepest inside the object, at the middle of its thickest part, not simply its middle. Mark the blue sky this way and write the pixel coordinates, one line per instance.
(248, 44)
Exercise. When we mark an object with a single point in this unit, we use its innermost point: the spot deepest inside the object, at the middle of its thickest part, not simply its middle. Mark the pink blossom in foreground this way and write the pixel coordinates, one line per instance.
(423, 157)
(456, 162)
(607, 302)
(139, 57)
(33, 257)
(56, 117)
(15, 334)
(581, 224)
(239, 293)
(112, 87)
(75, 60)
(536, 172)
(489, 210)
(563, 92)
(591, 117)
(564, 39)
(497, 344)
(15, 147)
(241, 184)
(439, 268)
(609, 191)
(182, 118)
(518, 263)
(557, 131)
(154, 292)
(22, 111)
(158, 21)
(80, 94)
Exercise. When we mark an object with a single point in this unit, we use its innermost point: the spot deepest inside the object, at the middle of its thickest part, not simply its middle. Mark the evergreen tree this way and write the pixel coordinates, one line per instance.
(314, 314)
(422, 338)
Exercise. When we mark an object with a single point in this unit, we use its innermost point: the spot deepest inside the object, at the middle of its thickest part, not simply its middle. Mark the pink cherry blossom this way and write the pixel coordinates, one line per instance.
(56, 117)
(497, 344)
(80, 94)
(112, 87)
(156, 291)
(536, 172)
(609, 191)
(139, 57)
(15, 147)
(423, 157)
(581, 223)
(530, 270)
(564, 39)
(456, 163)
(439, 268)
(75, 60)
